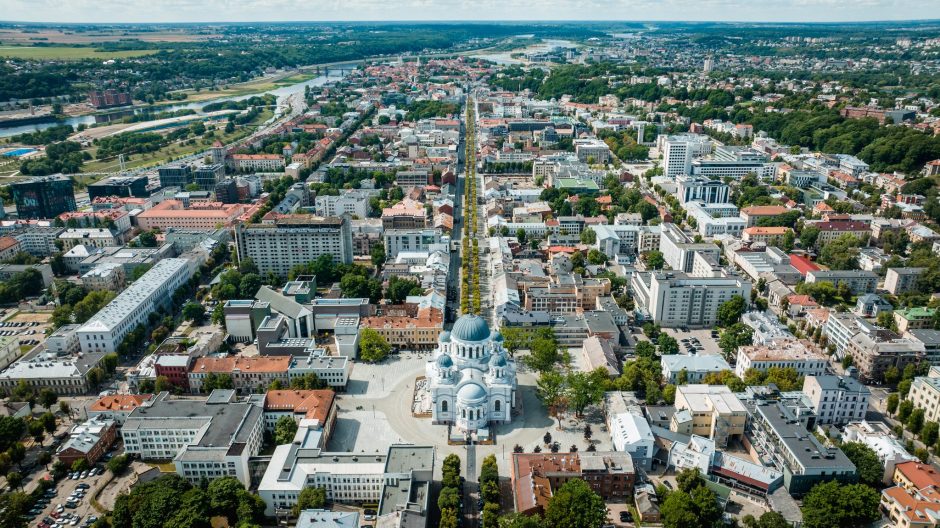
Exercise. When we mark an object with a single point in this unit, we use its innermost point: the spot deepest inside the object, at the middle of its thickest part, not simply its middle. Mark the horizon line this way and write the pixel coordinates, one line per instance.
(386, 21)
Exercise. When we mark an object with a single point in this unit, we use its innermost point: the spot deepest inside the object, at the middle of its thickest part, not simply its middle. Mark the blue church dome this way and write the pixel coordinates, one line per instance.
(470, 327)
(444, 361)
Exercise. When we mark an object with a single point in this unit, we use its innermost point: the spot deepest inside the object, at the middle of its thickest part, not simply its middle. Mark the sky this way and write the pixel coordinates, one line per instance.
(379, 10)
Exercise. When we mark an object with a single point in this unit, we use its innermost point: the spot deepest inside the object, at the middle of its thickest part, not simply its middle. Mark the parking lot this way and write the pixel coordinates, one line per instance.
(29, 327)
(706, 345)
(61, 511)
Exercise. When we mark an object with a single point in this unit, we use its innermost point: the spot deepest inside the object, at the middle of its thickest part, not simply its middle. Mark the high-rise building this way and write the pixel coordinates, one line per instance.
(293, 240)
(44, 196)
(179, 175)
(679, 150)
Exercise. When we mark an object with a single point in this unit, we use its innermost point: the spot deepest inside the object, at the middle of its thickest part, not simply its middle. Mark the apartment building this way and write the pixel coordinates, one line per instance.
(715, 412)
(901, 280)
(153, 290)
(591, 150)
(293, 240)
(674, 299)
(837, 400)
(536, 476)
(829, 231)
(249, 373)
(858, 281)
(917, 318)
(771, 236)
(205, 438)
(879, 437)
(925, 394)
(874, 352)
(801, 356)
(782, 439)
(914, 500)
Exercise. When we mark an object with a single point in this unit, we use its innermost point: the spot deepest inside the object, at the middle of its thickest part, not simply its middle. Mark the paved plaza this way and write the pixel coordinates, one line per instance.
(376, 411)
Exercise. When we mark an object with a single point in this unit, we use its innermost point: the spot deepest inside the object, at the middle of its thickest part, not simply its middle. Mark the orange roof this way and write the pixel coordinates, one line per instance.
(241, 363)
(802, 300)
(915, 507)
(8, 242)
(920, 475)
(175, 209)
(764, 210)
(766, 230)
(313, 404)
(120, 402)
(429, 318)
(823, 206)
(257, 157)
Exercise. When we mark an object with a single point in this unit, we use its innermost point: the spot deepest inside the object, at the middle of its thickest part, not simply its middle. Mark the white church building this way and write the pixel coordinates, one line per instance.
(471, 378)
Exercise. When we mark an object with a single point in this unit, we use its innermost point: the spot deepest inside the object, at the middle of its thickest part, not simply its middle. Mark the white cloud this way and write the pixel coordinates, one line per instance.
(293, 10)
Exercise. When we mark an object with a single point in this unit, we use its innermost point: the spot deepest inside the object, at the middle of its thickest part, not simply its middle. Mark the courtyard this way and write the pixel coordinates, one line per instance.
(376, 411)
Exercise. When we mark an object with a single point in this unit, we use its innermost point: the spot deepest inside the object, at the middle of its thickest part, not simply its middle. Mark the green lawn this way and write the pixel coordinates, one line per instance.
(67, 53)
(174, 150)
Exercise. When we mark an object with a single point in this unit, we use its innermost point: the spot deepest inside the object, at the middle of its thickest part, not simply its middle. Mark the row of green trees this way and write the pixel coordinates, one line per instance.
(450, 499)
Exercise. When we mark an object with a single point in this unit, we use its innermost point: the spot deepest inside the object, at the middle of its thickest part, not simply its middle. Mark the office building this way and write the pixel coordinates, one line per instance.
(354, 202)
(836, 400)
(701, 189)
(121, 186)
(915, 318)
(207, 176)
(293, 240)
(755, 213)
(314, 407)
(591, 150)
(170, 214)
(176, 175)
(874, 350)
(679, 150)
(117, 407)
(398, 240)
(43, 196)
(403, 474)
(249, 373)
(226, 191)
(152, 291)
(695, 367)
(327, 519)
(65, 375)
(679, 249)
(88, 441)
(782, 439)
(205, 438)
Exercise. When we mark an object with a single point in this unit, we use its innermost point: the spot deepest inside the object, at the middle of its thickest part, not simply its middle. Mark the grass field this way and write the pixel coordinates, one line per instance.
(168, 152)
(67, 53)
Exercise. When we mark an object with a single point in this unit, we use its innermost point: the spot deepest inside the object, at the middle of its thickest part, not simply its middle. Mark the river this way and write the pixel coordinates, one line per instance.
(283, 91)
(505, 57)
